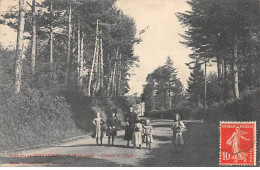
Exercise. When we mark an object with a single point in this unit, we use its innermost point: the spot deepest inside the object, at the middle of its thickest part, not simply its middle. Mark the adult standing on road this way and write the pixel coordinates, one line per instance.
(112, 123)
(177, 128)
(130, 119)
(98, 130)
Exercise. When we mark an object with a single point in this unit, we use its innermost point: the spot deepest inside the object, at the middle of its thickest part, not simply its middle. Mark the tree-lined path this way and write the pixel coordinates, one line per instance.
(197, 149)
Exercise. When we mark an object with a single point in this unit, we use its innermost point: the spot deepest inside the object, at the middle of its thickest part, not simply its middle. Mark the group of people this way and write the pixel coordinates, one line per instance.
(111, 132)
(135, 130)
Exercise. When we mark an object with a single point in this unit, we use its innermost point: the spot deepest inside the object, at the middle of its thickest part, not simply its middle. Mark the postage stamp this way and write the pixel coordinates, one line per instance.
(237, 143)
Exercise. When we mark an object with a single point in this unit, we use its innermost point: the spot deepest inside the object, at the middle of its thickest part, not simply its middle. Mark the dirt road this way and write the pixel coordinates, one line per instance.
(200, 149)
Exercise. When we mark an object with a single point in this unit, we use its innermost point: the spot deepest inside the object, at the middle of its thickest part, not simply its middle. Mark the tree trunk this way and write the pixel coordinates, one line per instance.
(114, 76)
(169, 94)
(81, 63)
(72, 58)
(120, 74)
(69, 46)
(51, 32)
(33, 38)
(153, 96)
(78, 54)
(97, 68)
(93, 63)
(19, 48)
(199, 103)
(235, 69)
(101, 64)
(220, 81)
(205, 85)
(109, 78)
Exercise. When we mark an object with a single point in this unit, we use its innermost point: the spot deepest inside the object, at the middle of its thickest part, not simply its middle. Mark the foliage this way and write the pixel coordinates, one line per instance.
(39, 114)
(196, 86)
(244, 109)
(214, 28)
(185, 113)
(118, 32)
(46, 108)
(163, 89)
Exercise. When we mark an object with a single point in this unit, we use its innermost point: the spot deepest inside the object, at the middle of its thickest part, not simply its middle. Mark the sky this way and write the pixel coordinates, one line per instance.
(160, 40)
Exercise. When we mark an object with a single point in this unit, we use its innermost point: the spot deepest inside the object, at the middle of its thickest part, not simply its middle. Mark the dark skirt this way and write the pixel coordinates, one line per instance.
(128, 133)
(111, 132)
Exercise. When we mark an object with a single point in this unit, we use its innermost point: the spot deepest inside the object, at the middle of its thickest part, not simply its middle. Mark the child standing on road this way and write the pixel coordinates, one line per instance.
(98, 130)
(112, 128)
(177, 128)
(148, 137)
(137, 135)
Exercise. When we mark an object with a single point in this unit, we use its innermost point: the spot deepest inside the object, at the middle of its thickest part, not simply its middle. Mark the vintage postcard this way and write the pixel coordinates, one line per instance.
(129, 83)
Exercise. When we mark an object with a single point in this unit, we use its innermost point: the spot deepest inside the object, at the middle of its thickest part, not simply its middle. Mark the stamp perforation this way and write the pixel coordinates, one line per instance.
(254, 144)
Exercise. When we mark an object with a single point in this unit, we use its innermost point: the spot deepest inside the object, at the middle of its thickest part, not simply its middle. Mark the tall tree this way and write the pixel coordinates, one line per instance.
(69, 44)
(19, 47)
(93, 61)
(79, 51)
(222, 30)
(162, 85)
(196, 85)
(118, 30)
(81, 64)
(33, 53)
(51, 31)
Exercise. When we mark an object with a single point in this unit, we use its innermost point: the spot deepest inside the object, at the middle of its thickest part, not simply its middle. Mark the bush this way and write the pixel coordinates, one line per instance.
(35, 116)
(246, 108)
(184, 112)
(39, 114)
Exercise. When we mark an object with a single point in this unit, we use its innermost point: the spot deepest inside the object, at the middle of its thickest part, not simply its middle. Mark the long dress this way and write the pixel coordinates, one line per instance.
(137, 135)
(235, 142)
(177, 128)
(112, 125)
(98, 130)
(130, 120)
(148, 136)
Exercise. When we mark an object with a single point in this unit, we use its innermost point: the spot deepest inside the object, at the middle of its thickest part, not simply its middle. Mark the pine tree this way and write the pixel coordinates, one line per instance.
(196, 85)
(163, 86)
(19, 47)
(223, 31)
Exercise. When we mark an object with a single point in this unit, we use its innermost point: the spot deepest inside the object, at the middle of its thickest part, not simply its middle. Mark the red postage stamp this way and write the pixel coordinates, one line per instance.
(237, 143)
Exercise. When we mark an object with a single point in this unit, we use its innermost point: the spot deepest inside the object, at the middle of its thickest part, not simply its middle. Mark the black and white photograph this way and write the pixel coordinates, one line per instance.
(129, 83)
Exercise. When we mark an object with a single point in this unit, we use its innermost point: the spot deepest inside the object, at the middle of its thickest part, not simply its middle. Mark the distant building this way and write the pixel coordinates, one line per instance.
(140, 109)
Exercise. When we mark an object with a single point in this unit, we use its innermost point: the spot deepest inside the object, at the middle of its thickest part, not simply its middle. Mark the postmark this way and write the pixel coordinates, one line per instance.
(237, 143)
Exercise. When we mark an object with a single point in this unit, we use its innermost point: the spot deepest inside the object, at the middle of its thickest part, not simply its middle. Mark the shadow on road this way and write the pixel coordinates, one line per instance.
(87, 145)
(57, 161)
(200, 149)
